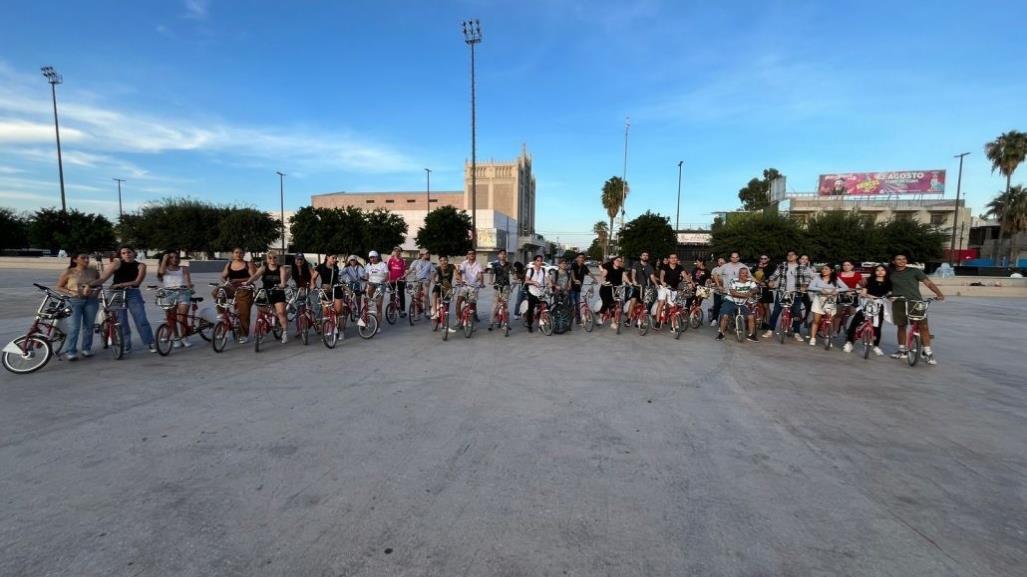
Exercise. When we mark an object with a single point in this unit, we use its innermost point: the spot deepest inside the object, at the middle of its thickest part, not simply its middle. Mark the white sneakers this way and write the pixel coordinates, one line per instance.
(847, 348)
(813, 341)
(768, 334)
(285, 338)
(799, 338)
(878, 351)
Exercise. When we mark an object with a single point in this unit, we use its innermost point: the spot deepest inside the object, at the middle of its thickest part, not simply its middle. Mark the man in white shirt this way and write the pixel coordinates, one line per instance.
(535, 280)
(469, 272)
(376, 273)
(738, 292)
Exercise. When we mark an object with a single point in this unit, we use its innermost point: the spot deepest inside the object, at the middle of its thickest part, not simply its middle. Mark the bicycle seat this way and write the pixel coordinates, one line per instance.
(196, 299)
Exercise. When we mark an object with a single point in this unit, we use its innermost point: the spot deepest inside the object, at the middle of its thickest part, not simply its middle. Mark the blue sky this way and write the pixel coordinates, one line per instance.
(209, 98)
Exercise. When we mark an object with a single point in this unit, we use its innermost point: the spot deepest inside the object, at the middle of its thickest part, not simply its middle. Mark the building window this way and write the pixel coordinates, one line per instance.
(389, 201)
(369, 201)
(938, 219)
(434, 200)
(904, 216)
(411, 200)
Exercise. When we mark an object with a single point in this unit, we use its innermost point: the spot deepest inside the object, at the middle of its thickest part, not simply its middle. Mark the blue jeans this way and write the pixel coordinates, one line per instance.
(576, 304)
(83, 315)
(522, 293)
(134, 304)
(796, 311)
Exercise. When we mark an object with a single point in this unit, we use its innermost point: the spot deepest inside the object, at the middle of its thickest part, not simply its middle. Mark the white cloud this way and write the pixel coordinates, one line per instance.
(22, 131)
(196, 9)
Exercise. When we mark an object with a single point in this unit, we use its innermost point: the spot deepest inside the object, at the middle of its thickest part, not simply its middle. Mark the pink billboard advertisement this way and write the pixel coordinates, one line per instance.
(875, 183)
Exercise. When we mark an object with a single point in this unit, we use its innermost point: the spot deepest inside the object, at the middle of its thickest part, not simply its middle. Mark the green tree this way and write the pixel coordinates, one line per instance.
(602, 232)
(446, 232)
(756, 194)
(1006, 153)
(53, 229)
(595, 250)
(754, 233)
(308, 234)
(615, 192)
(383, 230)
(920, 242)
(174, 224)
(1010, 209)
(648, 232)
(248, 228)
(833, 236)
(13, 229)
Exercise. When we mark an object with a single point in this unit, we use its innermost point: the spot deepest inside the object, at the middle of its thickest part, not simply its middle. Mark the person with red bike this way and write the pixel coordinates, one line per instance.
(905, 282)
(643, 276)
(790, 276)
(825, 289)
(877, 286)
(422, 271)
(501, 271)
(175, 276)
(376, 273)
(273, 277)
(128, 274)
(535, 282)
(611, 272)
(579, 271)
(470, 273)
(397, 273)
(738, 293)
(671, 277)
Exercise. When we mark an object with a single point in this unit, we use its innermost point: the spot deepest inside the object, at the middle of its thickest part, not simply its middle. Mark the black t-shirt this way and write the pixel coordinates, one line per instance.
(700, 276)
(614, 276)
(672, 276)
(327, 275)
(578, 273)
(301, 274)
(502, 273)
(642, 273)
(877, 288)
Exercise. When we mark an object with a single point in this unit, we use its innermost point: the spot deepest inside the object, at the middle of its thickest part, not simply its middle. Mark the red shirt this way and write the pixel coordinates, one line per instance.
(853, 281)
(397, 268)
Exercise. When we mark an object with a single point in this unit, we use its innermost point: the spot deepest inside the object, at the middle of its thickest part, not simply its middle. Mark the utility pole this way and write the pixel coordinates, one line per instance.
(472, 36)
(427, 190)
(121, 213)
(677, 220)
(281, 197)
(955, 216)
(624, 177)
(54, 79)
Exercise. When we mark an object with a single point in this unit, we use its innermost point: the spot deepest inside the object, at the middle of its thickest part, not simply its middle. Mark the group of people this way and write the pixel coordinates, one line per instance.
(812, 291)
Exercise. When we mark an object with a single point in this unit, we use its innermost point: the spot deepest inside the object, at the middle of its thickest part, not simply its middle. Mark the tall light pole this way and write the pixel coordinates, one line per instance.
(281, 197)
(472, 36)
(955, 215)
(427, 189)
(54, 79)
(121, 213)
(677, 220)
(624, 177)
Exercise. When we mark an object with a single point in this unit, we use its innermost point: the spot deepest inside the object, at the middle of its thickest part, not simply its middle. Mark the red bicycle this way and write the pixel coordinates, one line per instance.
(675, 314)
(786, 301)
(916, 313)
(392, 307)
(305, 315)
(614, 313)
(111, 302)
(367, 323)
(695, 312)
(468, 307)
(501, 318)
(638, 315)
(867, 330)
(267, 319)
(176, 325)
(44, 339)
(415, 294)
(588, 318)
(330, 329)
(440, 318)
(826, 327)
(541, 313)
(228, 321)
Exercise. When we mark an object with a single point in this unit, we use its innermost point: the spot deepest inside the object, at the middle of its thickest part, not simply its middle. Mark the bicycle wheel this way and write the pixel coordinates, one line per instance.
(328, 335)
(588, 319)
(27, 354)
(868, 342)
(435, 322)
(164, 340)
(391, 313)
(412, 312)
(444, 323)
(276, 329)
(675, 329)
(913, 355)
(304, 323)
(505, 320)
(782, 328)
(258, 334)
(643, 323)
(116, 341)
(204, 328)
(739, 328)
(219, 336)
(617, 315)
(695, 318)
(545, 324)
(468, 323)
(370, 327)
(829, 341)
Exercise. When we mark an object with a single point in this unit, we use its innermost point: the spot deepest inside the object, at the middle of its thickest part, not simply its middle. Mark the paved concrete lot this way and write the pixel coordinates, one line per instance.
(578, 454)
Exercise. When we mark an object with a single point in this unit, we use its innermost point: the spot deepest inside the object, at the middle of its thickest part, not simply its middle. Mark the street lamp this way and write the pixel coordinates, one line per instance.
(472, 36)
(677, 220)
(955, 216)
(624, 178)
(281, 197)
(54, 79)
(121, 213)
(427, 189)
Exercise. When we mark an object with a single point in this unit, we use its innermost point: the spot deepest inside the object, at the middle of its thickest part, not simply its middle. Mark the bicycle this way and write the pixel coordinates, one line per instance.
(111, 302)
(867, 330)
(184, 325)
(415, 294)
(228, 321)
(638, 314)
(501, 318)
(44, 339)
(305, 316)
(750, 302)
(541, 312)
(468, 309)
(330, 330)
(392, 307)
(267, 319)
(786, 300)
(679, 314)
(826, 327)
(614, 312)
(916, 313)
(367, 325)
(846, 302)
(440, 319)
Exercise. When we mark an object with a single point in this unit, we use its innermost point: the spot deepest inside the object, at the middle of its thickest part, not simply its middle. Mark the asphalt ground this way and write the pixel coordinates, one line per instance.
(577, 454)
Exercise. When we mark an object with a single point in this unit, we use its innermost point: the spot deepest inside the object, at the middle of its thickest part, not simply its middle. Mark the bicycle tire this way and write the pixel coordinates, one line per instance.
(782, 328)
(545, 324)
(588, 319)
(617, 315)
(674, 330)
(370, 327)
(411, 313)
(305, 330)
(444, 324)
(276, 329)
(695, 318)
(328, 335)
(739, 328)
(828, 342)
(391, 313)
(643, 324)
(868, 341)
(34, 359)
(506, 325)
(165, 340)
(57, 343)
(204, 328)
(219, 336)
(435, 322)
(468, 323)
(913, 355)
(116, 342)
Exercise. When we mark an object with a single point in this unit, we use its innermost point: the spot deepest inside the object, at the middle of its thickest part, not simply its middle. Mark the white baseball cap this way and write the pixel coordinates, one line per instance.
(373, 253)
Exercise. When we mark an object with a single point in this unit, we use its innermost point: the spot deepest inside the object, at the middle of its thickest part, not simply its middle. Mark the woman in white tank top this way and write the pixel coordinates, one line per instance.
(175, 276)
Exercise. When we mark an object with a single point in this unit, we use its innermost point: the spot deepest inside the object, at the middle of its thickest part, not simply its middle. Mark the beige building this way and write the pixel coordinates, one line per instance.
(938, 212)
(505, 206)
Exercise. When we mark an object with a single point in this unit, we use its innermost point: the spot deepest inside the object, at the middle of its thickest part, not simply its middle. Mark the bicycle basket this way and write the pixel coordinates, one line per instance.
(114, 299)
(846, 299)
(871, 308)
(167, 299)
(916, 310)
(261, 299)
(702, 292)
(618, 292)
(222, 300)
(470, 295)
(54, 308)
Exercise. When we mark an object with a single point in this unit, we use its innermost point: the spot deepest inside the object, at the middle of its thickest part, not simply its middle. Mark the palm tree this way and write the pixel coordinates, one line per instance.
(1014, 218)
(615, 191)
(1006, 153)
(601, 231)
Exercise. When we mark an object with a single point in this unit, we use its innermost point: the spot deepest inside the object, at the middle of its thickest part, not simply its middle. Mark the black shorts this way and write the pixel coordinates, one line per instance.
(275, 296)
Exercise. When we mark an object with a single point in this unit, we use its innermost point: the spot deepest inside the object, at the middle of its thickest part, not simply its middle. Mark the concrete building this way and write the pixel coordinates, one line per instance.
(505, 207)
(938, 212)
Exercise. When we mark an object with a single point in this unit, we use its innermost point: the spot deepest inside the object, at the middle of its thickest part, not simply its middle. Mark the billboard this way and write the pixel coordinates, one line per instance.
(886, 183)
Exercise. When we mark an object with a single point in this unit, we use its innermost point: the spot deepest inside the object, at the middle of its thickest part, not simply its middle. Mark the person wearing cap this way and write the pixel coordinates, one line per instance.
(397, 273)
(422, 270)
(469, 272)
(376, 273)
(353, 273)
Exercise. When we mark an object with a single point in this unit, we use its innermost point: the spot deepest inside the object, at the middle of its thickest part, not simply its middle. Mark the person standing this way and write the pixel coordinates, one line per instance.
(611, 272)
(273, 278)
(397, 273)
(718, 297)
(236, 274)
(327, 275)
(501, 271)
(353, 274)
(796, 278)
(376, 273)
(579, 270)
(519, 273)
(823, 287)
(469, 272)
(699, 276)
(905, 282)
(128, 274)
(76, 282)
(422, 271)
(643, 276)
(877, 286)
(671, 277)
(175, 276)
(535, 281)
(761, 275)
